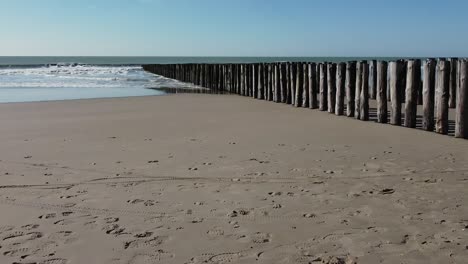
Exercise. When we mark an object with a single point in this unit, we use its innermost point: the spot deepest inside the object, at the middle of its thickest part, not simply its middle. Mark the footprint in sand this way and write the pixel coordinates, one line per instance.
(61, 235)
(215, 232)
(143, 234)
(113, 229)
(53, 261)
(110, 220)
(145, 202)
(30, 226)
(139, 243)
(260, 238)
(159, 257)
(20, 252)
(48, 216)
(6, 228)
(20, 237)
(46, 248)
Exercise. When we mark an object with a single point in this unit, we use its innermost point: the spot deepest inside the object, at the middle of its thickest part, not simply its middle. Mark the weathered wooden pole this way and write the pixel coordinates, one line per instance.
(278, 97)
(299, 85)
(382, 92)
(357, 95)
(323, 104)
(292, 79)
(364, 97)
(331, 85)
(270, 81)
(267, 77)
(442, 95)
(428, 94)
(350, 87)
(395, 92)
(239, 79)
(273, 82)
(313, 88)
(202, 75)
(413, 81)
(260, 81)
(288, 83)
(247, 80)
(340, 88)
(242, 79)
(284, 85)
(461, 119)
(254, 80)
(453, 83)
(373, 79)
(233, 78)
(306, 87)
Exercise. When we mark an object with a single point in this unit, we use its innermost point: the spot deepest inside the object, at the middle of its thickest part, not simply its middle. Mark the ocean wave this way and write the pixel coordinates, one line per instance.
(75, 75)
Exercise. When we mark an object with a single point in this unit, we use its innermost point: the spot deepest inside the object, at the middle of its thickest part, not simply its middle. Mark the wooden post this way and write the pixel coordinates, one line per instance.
(331, 85)
(266, 77)
(382, 92)
(260, 81)
(364, 97)
(373, 79)
(395, 93)
(428, 94)
(247, 80)
(268, 82)
(278, 83)
(323, 104)
(340, 88)
(313, 104)
(284, 85)
(248, 87)
(288, 82)
(402, 80)
(413, 80)
(461, 120)
(292, 79)
(306, 87)
(254, 80)
(234, 78)
(299, 85)
(242, 80)
(272, 81)
(442, 96)
(453, 83)
(357, 95)
(239, 79)
(350, 87)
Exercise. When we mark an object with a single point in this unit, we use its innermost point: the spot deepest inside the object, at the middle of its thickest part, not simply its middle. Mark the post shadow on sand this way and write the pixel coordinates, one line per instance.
(419, 120)
(189, 90)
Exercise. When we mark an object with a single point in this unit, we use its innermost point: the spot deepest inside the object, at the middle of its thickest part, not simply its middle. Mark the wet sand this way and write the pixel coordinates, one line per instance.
(224, 179)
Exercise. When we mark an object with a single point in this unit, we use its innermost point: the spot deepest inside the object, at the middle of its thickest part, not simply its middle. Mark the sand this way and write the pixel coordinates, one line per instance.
(224, 179)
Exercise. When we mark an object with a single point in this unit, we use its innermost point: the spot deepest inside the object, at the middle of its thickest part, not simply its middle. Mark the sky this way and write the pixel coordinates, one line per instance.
(234, 28)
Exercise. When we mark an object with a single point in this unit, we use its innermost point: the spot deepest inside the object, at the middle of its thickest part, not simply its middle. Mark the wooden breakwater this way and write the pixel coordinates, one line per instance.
(347, 88)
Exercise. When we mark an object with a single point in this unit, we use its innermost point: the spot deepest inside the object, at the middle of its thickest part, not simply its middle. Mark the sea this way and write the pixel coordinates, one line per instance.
(32, 79)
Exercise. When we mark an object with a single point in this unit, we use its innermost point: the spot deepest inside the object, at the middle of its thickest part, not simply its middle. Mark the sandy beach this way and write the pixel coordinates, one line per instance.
(224, 179)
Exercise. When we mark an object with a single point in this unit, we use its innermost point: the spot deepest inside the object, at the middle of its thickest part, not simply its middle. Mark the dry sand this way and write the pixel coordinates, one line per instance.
(224, 179)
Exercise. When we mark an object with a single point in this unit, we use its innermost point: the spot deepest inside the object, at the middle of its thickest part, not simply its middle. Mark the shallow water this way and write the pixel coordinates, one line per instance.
(75, 81)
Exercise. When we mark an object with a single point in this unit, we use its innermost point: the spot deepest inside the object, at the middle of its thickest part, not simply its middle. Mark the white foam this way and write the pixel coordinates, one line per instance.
(89, 76)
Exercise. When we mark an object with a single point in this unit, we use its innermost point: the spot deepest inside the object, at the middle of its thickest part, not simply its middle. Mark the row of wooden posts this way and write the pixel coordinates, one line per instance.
(345, 88)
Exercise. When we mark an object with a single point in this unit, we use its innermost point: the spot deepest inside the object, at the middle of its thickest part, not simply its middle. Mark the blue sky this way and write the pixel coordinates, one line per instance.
(234, 27)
